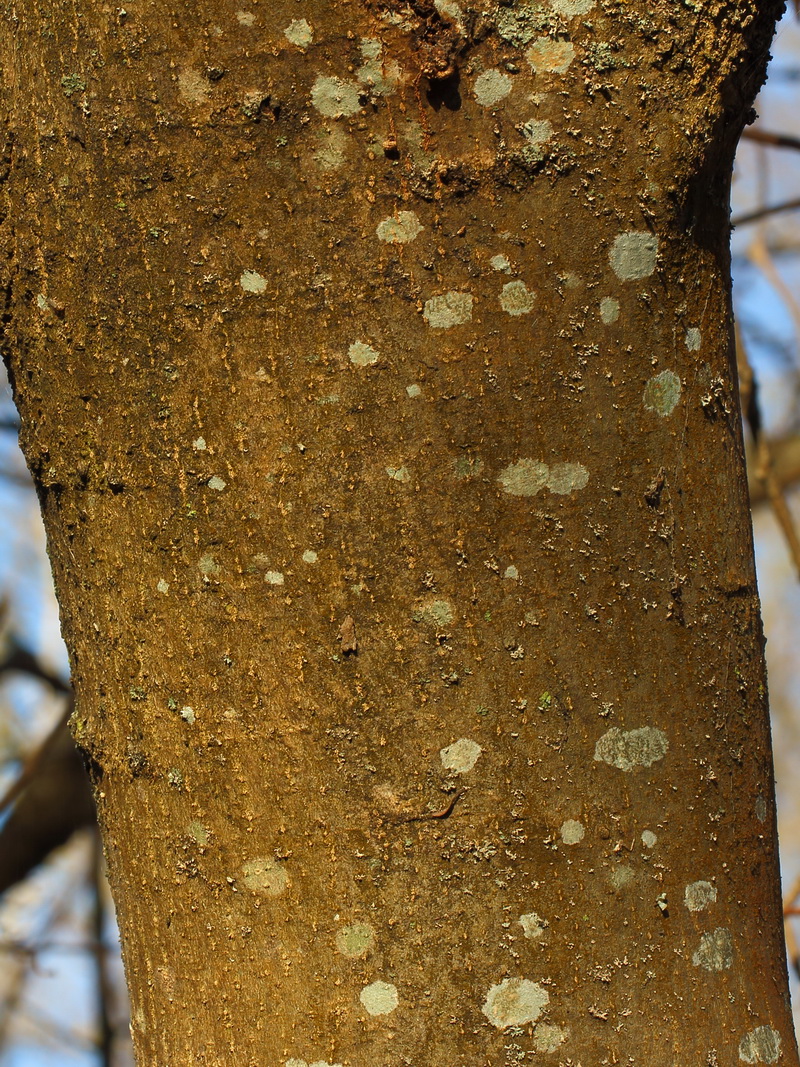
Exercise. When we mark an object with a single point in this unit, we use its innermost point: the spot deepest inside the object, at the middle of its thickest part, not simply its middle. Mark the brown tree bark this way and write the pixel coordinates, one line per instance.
(376, 372)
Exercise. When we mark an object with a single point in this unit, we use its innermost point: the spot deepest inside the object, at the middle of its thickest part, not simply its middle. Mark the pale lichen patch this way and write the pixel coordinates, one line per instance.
(216, 483)
(413, 390)
(461, 756)
(448, 309)
(546, 55)
(310, 556)
(208, 564)
(628, 749)
(198, 832)
(379, 998)
(572, 8)
(199, 444)
(565, 478)
(193, 87)
(399, 474)
(516, 298)
(299, 33)
(265, 875)
(761, 809)
(253, 282)
(333, 97)
(362, 355)
(515, 1002)
(716, 950)
(356, 940)
(162, 585)
(500, 263)
(399, 229)
(491, 87)
(621, 876)
(662, 393)
(762, 1045)
(526, 477)
(693, 339)
(609, 310)
(274, 578)
(649, 839)
(633, 255)
(511, 572)
(305, 1063)
(187, 714)
(245, 18)
(435, 613)
(699, 895)
(572, 832)
(537, 131)
(533, 925)
(547, 1038)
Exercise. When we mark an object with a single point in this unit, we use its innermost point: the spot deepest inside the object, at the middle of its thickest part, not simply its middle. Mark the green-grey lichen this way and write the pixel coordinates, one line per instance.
(399, 474)
(527, 477)
(603, 56)
(356, 940)
(634, 255)
(628, 749)
(467, 466)
(362, 355)
(762, 1045)
(253, 282)
(299, 33)
(537, 131)
(649, 839)
(565, 478)
(572, 832)
(379, 998)
(435, 613)
(716, 950)
(662, 393)
(198, 832)
(188, 714)
(72, 83)
(515, 1002)
(571, 8)
(400, 228)
(216, 483)
(699, 895)
(548, 1038)
(333, 97)
(377, 73)
(491, 87)
(517, 299)
(693, 339)
(208, 565)
(162, 585)
(274, 578)
(609, 310)
(621, 876)
(310, 556)
(461, 756)
(448, 309)
(520, 23)
(265, 875)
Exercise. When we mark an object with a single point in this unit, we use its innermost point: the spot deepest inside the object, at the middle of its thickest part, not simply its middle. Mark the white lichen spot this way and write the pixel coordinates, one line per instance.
(500, 263)
(198, 832)
(199, 444)
(515, 1002)
(570, 8)
(628, 749)
(451, 10)
(633, 255)
(305, 1063)
(699, 895)
(566, 478)
(448, 309)
(461, 756)
(621, 876)
(716, 950)
(333, 97)
(299, 33)
(379, 998)
(517, 299)
(491, 87)
(333, 142)
(662, 393)
(187, 714)
(192, 86)
(310, 556)
(572, 832)
(362, 355)
(399, 474)
(761, 809)
(413, 390)
(537, 131)
(609, 310)
(649, 839)
(435, 613)
(399, 229)
(162, 585)
(265, 875)
(511, 572)
(208, 565)
(693, 339)
(377, 73)
(548, 56)
(356, 940)
(526, 477)
(548, 1038)
(216, 483)
(245, 18)
(253, 282)
(533, 925)
(42, 302)
(762, 1045)
(274, 578)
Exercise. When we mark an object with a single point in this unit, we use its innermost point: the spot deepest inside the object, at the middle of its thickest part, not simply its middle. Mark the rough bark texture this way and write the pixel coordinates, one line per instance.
(375, 367)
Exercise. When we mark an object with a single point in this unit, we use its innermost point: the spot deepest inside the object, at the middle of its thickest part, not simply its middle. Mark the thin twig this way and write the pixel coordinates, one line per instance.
(774, 140)
(35, 760)
(763, 212)
(105, 1035)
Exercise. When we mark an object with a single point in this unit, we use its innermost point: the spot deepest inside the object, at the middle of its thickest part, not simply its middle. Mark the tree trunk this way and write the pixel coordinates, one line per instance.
(376, 372)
